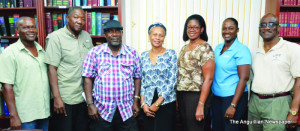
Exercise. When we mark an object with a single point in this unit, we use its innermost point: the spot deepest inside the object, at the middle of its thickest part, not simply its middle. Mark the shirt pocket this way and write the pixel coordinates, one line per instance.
(127, 70)
(104, 69)
(70, 55)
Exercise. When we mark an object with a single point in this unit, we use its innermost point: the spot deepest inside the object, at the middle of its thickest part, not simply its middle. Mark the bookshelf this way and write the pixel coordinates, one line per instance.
(281, 7)
(41, 9)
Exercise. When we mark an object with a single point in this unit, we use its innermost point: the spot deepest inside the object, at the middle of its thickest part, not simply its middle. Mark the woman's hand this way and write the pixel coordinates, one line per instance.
(229, 114)
(147, 111)
(200, 112)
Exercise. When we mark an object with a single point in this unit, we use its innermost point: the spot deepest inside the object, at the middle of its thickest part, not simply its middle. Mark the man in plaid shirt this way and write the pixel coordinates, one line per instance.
(113, 100)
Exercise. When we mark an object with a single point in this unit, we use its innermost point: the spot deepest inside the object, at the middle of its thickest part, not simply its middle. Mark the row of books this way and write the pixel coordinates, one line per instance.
(289, 23)
(8, 25)
(17, 3)
(289, 2)
(81, 3)
(93, 25)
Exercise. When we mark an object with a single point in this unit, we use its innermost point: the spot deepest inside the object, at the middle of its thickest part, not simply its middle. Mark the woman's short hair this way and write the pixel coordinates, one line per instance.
(234, 21)
(157, 24)
(201, 22)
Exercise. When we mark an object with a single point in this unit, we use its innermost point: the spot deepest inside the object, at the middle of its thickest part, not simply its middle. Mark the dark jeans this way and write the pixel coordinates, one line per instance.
(76, 119)
(117, 124)
(219, 107)
(165, 117)
(187, 103)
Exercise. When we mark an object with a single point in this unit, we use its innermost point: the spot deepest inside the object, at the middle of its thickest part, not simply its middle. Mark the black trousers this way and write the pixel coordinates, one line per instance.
(187, 103)
(165, 117)
(219, 107)
(117, 124)
(76, 119)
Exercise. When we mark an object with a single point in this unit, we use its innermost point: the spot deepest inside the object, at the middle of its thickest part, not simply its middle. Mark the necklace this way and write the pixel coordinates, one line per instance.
(151, 52)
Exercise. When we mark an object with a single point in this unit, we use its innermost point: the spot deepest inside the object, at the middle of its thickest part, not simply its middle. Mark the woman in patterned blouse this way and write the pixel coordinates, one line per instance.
(196, 72)
(159, 79)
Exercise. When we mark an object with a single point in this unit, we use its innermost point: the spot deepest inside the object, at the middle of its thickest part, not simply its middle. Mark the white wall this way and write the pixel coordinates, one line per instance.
(139, 14)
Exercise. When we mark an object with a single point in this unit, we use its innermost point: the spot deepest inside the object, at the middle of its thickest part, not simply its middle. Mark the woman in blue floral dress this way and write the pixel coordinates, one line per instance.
(159, 79)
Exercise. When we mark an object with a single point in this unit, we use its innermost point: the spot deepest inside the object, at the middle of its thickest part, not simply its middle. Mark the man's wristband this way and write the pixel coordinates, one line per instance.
(137, 97)
(89, 104)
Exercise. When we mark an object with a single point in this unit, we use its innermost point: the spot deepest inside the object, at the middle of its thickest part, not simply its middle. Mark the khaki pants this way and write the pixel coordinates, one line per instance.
(268, 110)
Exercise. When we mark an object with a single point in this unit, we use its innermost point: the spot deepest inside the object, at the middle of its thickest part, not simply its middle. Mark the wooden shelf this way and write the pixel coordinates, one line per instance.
(19, 8)
(83, 7)
(9, 37)
(290, 6)
(291, 37)
(96, 36)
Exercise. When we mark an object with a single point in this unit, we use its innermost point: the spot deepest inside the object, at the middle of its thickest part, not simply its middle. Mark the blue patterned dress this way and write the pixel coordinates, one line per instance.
(161, 77)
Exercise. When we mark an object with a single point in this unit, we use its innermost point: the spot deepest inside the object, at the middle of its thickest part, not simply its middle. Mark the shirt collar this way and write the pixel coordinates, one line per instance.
(122, 51)
(21, 46)
(66, 30)
(233, 45)
(275, 47)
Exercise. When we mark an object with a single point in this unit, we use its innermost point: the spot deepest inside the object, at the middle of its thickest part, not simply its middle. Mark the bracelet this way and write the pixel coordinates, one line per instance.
(156, 104)
(143, 105)
(137, 97)
(233, 105)
(90, 104)
(201, 103)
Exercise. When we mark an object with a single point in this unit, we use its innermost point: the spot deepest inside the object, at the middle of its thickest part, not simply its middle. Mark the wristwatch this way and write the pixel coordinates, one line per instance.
(233, 105)
(294, 113)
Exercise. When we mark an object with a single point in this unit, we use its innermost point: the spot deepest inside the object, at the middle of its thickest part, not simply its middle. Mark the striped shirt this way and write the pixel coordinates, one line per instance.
(113, 85)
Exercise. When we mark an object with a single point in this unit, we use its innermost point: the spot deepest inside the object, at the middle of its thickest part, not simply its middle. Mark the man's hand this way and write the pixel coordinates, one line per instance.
(136, 108)
(93, 112)
(293, 119)
(15, 122)
(147, 111)
(59, 106)
(229, 114)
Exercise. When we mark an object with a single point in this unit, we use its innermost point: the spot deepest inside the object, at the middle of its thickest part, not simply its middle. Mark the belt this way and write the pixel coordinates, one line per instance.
(266, 96)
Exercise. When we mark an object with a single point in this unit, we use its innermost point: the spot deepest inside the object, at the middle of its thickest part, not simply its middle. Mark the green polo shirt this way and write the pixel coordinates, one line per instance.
(67, 53)
(28, 75)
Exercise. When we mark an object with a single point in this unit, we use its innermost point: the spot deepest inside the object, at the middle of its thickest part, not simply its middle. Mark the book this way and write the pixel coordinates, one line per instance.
(11, 22)
(84, 2)
(70, 3)
(35, 20)
(64, 19)
(54, 2)
(112, 2)
(49, 3)
(2, 4)
(94, 2)
(108, 2)
(20, 3)
(33, 3)
(3, 29)
(7, 3)
(105, 18)
(13, 3)
(89, 2)
(101, 3)
(48, 23)
(116, 17)
(27, 3)
(60, 23)
(89, 22)
(54, 22)
(65, 2)
(59, 2)
(94, 21)
(16, 17)
(77, 2)
(99, 23)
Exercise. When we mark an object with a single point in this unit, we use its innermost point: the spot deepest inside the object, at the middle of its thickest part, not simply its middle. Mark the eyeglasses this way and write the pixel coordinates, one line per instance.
(193, 28)
(270, 25)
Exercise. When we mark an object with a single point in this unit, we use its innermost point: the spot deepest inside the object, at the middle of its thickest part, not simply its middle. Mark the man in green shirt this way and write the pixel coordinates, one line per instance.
(66, 50)
(25, 81)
